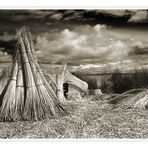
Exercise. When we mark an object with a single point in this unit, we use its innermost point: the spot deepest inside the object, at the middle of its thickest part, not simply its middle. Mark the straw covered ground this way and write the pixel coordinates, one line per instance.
(89, 118)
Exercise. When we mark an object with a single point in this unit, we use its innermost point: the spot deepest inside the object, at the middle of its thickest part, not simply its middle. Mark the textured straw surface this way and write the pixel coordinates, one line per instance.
(27, 94)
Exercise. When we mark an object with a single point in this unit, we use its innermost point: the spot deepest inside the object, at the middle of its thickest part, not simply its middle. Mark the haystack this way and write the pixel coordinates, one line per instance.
(27, 94)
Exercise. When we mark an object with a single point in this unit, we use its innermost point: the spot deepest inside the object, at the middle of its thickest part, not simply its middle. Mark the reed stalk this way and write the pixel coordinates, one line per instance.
(8, 101)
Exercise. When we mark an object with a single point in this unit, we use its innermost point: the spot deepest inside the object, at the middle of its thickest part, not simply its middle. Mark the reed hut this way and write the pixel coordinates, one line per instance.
(27, 95)
(69, 86)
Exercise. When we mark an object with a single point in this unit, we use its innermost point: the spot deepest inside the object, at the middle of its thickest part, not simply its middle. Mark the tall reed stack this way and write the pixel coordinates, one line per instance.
(27, 94)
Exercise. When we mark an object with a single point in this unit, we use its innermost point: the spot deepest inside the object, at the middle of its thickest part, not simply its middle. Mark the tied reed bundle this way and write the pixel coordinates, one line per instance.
(42, 93)
(4, 79)
(60, 79)
(8, 102)
(31, 94)
(49, 105)
(20, 90)
(52, 89)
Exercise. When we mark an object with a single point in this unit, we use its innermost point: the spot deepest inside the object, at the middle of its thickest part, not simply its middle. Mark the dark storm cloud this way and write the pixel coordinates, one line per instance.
(135, 16)
(17, 15)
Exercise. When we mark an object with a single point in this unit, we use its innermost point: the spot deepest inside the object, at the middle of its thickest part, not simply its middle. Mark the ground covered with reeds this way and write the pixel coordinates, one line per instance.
(92, 117)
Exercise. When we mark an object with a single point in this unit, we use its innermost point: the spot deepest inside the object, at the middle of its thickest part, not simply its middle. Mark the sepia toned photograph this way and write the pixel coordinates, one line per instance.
(74, 74)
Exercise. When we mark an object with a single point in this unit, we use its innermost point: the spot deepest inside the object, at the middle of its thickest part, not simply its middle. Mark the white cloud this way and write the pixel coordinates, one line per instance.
(118, 13)
(83, 42)
(138, 16)
(56, 16)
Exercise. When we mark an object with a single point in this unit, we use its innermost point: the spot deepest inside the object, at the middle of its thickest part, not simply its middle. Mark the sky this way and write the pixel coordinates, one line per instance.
(69, 15)
(82, 36)
(82, 43)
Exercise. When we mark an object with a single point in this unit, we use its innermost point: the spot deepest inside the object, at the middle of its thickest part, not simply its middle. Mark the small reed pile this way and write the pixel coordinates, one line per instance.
(135, 98)
(27, 94)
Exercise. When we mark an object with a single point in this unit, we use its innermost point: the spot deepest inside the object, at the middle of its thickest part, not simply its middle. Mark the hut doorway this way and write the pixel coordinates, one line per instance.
(65, 89)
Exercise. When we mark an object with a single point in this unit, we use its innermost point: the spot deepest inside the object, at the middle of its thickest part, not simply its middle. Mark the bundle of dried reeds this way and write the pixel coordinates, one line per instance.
(19, 90)
(4, 79)
(138, 99)
(27, 95)
(8, 102)
(28, 39)
(60, 79)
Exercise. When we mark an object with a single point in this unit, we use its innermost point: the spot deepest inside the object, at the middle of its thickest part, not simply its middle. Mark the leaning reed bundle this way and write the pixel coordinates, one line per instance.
(41, 81)
(8, 103)
(4, 79)
(51, 81)
(50, 88)
(20, 90)
(47, 105)
(30, 110)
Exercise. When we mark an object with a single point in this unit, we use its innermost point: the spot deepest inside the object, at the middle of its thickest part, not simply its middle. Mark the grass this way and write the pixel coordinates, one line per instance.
(92, 117)
(120, 82)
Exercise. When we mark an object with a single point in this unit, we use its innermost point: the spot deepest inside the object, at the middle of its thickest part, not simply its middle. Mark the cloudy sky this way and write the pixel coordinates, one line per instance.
(82, 36)
(78, 15)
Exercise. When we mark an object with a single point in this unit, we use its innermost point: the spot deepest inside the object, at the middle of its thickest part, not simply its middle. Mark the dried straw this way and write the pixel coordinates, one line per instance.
(50, 88)
(48, 105)
(8, 101)
(20, 90)
(137, 100)
(60, 79)
(28, 95)
(31, 91)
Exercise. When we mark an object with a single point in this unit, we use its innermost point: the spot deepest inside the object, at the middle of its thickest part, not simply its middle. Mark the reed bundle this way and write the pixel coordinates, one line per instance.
(4, 79)
(8, 102)
(136, 98)
(28, 95)
(60, 79)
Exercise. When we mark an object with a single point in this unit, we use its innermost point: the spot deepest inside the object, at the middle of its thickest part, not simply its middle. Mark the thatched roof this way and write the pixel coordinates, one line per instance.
(73, 80)
(64, 76)
(27, 94)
